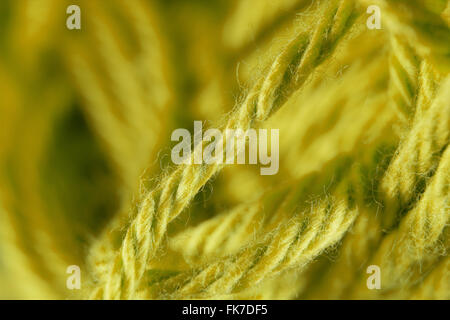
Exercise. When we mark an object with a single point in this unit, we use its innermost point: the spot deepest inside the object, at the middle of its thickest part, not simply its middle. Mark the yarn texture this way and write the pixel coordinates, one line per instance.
(87, 179)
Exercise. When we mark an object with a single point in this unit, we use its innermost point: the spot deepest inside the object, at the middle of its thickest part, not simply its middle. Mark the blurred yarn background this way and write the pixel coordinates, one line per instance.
(86, 118)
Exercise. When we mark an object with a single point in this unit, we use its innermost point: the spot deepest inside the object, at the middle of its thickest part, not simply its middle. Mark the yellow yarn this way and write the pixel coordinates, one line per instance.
(86, 176)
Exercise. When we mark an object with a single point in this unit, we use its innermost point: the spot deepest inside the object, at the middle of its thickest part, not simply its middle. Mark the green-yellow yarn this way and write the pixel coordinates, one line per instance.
(85, 170)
